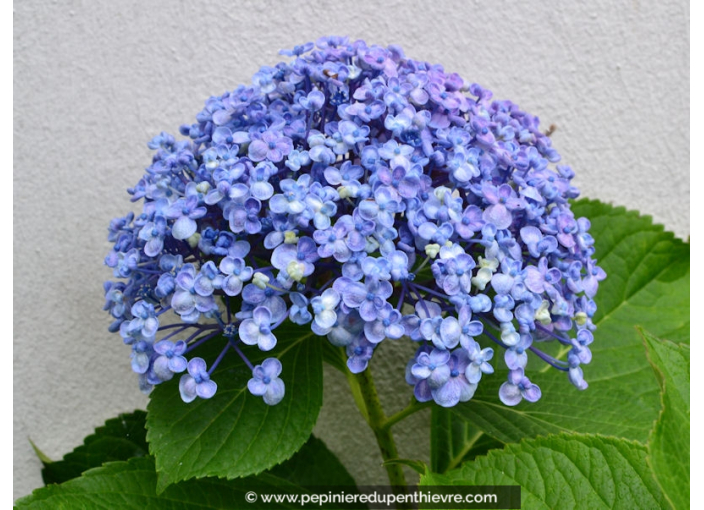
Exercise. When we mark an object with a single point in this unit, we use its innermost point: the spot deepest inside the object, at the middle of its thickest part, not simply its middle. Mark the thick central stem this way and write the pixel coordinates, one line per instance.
(373, 412)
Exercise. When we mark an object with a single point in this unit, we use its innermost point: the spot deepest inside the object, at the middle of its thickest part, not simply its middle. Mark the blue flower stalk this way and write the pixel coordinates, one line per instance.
(369, 197)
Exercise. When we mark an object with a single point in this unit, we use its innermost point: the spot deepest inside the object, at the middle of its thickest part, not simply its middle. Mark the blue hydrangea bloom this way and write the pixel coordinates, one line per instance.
(366, 196)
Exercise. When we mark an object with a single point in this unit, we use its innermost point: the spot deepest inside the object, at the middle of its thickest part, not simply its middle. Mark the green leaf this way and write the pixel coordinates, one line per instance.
(314, 465)
(626, 409)
(120, 438)
(453, 440)
(648, 285)
(40, 454)
(132, 484)
(235, 434)
(669, 441)
(128, 485)
(335, 356)
(648, 277)
(566, 471)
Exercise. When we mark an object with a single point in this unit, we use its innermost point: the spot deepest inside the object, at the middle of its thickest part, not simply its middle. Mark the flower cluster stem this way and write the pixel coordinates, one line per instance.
(381, 427)
(404, 413)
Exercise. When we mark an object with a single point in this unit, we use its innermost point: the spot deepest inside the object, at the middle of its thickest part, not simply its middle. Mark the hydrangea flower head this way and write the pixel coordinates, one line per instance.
(369, 197)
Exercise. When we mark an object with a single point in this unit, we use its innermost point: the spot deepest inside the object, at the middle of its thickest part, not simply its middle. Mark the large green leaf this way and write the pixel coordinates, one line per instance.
(648, 277)
(314, 466)
(648, 285)
(623, 408)
(669, 441)
(120, 438)
(132, 485)
(453, 440)
(566, 471)
(235, 434)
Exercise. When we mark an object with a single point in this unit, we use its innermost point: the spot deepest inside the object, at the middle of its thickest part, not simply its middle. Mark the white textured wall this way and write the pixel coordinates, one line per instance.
(94, 81)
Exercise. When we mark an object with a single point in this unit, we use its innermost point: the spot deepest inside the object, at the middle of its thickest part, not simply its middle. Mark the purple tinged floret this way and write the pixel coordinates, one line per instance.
(114, 299)
(359, 352)
(144, 324)
(186, 300)
(517, 388)
(153, 233)
(170, 359)
(196, 383)
(296, 260)
(456, 388)
(324, 308)
(236, 273)
(265, 381)
(503, 202)
(386, 325)
(479, 363)
(369, 297)
(141, 356)
(257, 330)
(185, 211)
(299, 313)
(432, 367)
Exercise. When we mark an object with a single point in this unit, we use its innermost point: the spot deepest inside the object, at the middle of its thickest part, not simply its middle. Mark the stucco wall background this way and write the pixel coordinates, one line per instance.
(94, 81)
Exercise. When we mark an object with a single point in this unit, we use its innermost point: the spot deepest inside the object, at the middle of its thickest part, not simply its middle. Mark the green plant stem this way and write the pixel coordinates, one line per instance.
(411, 408)
(373, 412)
(457, 460)
(357, 394)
